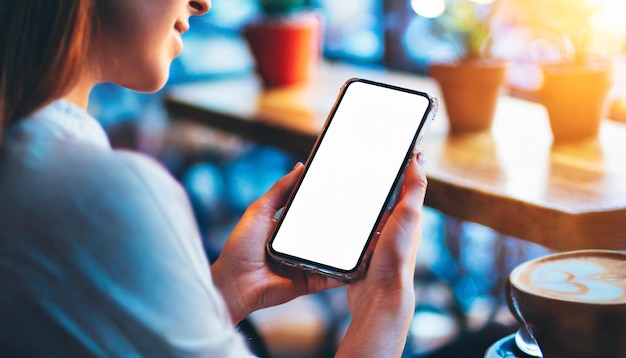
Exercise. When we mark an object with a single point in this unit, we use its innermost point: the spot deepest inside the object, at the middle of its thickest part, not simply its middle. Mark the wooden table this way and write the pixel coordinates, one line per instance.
(511, 179)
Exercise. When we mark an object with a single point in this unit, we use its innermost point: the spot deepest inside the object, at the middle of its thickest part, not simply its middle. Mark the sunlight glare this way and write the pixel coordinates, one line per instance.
(609, 24)
(429, 8)
(482, 2)
(612, 12)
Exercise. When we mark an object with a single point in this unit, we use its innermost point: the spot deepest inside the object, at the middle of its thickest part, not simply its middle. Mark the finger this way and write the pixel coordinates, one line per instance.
(421, 158)
(406, 214)
(412, 197)
(276, 197)
(415, 182)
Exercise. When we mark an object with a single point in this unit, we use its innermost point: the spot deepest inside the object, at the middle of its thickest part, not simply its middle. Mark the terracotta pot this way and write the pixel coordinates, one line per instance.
(470, 91)
(576, 99)
(286, 50)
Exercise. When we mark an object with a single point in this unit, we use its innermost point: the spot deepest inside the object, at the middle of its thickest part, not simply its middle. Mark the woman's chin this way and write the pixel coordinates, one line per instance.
(151, 89)
(146, 82)
(149, 86)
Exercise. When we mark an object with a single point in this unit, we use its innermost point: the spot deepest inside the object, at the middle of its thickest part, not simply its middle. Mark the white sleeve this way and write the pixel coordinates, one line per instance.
(156, 273)
(113, 267)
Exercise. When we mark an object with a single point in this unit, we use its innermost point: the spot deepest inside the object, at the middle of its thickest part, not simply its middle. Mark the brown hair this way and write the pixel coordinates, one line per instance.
(43, 46)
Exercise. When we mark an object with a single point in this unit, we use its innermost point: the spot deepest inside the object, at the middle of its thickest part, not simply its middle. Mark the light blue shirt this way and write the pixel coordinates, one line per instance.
(99, 251)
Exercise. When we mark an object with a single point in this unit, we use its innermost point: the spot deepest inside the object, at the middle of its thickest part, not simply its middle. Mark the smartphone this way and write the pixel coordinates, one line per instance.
(329, 223)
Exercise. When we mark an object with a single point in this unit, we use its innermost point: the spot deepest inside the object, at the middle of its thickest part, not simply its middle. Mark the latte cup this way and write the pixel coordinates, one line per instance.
(571, 304)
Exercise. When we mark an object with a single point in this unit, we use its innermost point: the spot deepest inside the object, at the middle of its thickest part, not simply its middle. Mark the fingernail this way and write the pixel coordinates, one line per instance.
(298, 165)
(421, 158)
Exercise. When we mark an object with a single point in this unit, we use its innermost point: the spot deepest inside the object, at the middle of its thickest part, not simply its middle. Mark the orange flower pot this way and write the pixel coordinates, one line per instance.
(470, 90)
(286, 50)
(575, 98)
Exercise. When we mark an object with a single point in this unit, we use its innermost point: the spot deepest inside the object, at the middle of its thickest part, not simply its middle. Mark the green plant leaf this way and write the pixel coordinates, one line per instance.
(282, 7)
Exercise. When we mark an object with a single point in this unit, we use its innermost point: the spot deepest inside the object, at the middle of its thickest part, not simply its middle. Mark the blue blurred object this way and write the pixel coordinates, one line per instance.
(251, 175)
(204, 184)
(220, 192)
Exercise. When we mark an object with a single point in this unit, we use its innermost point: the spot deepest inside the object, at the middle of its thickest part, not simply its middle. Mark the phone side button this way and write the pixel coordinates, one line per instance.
(288, 263)
(419, 140)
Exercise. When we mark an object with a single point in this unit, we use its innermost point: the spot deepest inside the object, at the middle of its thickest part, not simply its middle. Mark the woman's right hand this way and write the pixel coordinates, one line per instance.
(382, 302)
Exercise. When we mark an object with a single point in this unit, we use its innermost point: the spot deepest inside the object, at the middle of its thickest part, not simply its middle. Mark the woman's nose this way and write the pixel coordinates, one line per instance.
(200, 7)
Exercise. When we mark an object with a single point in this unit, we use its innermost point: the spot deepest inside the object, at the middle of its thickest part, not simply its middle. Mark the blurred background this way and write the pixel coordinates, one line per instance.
(461, 265)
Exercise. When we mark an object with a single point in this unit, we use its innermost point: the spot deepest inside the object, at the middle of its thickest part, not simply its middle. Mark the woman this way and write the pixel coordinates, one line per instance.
(99, 251)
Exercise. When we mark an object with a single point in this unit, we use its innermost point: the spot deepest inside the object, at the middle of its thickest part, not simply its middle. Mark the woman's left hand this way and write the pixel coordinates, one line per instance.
(242, 272)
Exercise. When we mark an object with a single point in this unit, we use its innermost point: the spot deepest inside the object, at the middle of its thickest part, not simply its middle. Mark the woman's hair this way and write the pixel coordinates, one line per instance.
(43, 49)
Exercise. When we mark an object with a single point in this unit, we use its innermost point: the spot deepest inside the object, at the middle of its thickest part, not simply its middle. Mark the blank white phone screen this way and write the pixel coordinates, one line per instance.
(350, 176)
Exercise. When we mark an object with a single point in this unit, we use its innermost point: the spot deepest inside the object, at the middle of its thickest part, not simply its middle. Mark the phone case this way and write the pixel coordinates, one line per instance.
(352, 275)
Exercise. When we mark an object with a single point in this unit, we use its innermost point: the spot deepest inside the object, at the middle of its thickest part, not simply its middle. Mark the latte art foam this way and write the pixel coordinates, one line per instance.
(594, 279)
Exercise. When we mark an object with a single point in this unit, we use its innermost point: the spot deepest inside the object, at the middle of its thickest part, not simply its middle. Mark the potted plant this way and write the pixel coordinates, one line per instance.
(471, 83)
(285, 41)
(578, 75)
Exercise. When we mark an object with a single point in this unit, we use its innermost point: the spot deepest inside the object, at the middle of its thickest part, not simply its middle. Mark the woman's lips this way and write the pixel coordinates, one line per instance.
(181, 27)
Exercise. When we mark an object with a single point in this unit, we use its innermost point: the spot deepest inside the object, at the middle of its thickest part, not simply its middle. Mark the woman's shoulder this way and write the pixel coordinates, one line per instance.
(101, 194)
(123, 172)
(66, 172)
(59, 164)
(61, 144)
(124, 165)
